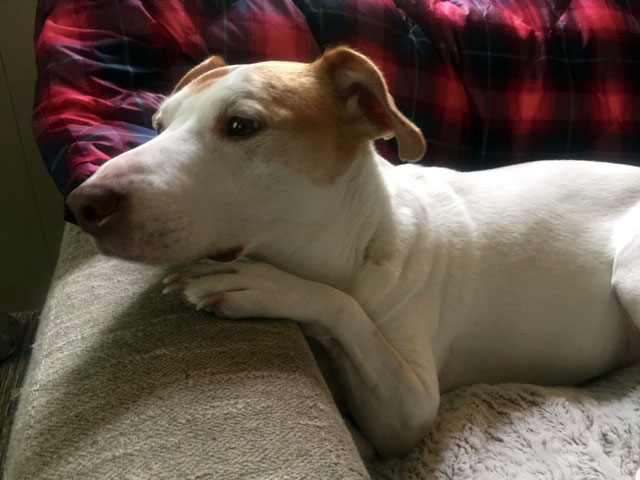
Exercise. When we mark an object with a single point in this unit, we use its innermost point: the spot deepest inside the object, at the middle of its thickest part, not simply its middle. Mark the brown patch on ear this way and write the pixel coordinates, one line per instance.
(366, 99)
(209, 64)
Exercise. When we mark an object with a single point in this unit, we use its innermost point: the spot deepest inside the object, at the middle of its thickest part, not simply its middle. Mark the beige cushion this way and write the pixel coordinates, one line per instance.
(127, 383)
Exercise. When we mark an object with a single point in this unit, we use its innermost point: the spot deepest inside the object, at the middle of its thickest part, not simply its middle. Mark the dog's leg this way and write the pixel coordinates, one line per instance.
(626, 277)
(393, 403)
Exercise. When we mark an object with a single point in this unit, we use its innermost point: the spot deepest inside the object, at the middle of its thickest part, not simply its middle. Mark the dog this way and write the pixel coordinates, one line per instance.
(415, 280)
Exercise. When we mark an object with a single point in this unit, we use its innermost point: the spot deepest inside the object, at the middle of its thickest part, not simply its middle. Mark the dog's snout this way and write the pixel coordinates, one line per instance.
(93, 204)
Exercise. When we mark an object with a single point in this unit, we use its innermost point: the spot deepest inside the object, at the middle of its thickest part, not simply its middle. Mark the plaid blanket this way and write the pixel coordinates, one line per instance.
(490, 82)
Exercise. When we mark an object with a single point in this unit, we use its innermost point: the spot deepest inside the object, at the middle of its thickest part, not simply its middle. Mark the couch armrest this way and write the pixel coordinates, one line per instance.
(127, 383)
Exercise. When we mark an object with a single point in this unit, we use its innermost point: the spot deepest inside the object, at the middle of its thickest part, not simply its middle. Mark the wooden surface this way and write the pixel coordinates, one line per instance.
(12, 372)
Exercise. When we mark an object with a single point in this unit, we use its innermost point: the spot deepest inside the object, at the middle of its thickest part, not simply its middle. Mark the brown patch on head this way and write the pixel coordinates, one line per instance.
(318, 116)
(209, 64)
(300, 99)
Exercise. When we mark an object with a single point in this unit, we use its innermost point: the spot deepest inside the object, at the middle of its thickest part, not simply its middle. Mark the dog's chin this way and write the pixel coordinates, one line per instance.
(142, 254)
(162, 256)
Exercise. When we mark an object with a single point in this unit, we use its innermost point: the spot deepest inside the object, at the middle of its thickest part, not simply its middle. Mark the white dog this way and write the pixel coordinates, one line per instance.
(415, 280)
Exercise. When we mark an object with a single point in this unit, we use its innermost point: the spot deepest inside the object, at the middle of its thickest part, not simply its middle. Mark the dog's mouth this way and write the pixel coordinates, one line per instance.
(148, 257)
(228, 255)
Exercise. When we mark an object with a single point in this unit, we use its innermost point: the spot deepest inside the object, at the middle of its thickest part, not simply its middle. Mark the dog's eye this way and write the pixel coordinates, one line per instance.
(241, 127)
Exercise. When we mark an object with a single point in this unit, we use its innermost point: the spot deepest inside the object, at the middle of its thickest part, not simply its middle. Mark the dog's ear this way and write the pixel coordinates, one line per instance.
(367, 103)
(209, 64)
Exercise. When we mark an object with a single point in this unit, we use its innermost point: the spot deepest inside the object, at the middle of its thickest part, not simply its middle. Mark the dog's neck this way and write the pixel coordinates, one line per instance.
(333, 249)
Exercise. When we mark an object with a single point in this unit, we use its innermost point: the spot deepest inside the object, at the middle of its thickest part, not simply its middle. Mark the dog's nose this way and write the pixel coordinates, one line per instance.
(93, 204)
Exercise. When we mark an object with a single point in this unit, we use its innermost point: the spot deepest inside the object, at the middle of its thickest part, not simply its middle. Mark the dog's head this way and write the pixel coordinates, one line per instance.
(242, 150)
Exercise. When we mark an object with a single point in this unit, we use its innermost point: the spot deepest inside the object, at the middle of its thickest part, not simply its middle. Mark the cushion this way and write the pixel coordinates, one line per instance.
(127, 383)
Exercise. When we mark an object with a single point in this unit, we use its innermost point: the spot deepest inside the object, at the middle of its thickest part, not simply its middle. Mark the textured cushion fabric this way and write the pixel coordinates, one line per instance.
(489, 82)
(127, 383)
(496, 432)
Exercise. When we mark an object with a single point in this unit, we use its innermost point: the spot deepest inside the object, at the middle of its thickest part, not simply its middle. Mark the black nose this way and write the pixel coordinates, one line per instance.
(92, 204)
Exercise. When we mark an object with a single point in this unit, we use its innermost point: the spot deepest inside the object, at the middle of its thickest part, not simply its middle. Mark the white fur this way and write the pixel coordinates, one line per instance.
(416, 280)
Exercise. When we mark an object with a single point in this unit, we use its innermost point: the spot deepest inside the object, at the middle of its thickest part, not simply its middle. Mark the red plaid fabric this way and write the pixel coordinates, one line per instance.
(489, 82)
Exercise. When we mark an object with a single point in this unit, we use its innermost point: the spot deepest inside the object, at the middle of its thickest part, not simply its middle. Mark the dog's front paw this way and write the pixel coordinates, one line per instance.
(240, 289)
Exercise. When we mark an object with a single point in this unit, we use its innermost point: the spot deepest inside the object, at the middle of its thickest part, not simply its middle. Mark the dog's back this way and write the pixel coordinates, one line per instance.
(529, 269)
